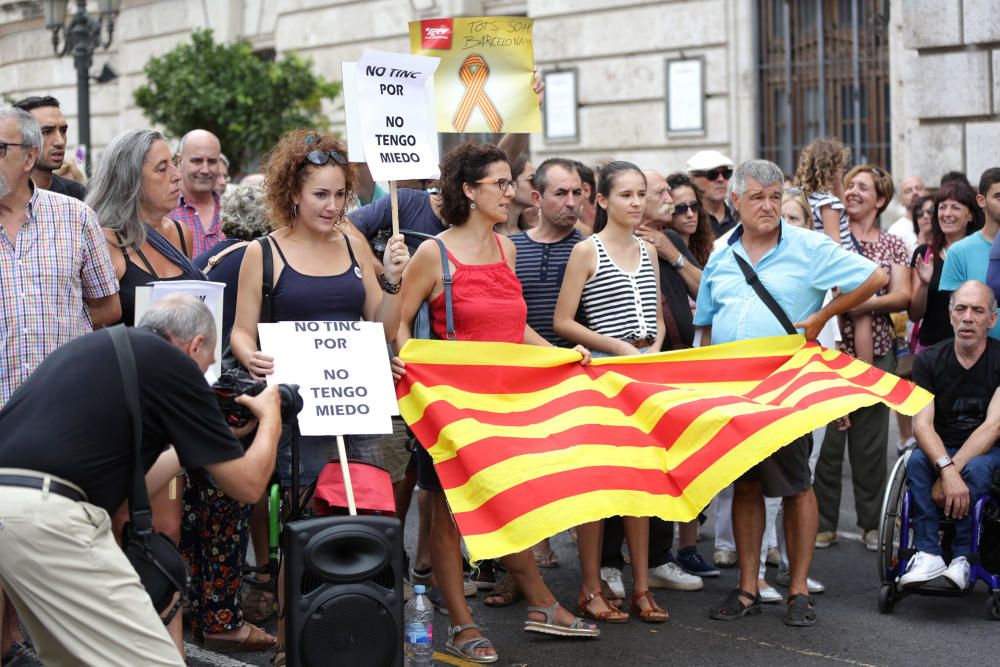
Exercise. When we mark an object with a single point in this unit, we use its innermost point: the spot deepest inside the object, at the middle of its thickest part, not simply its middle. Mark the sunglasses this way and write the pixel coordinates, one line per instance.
(323, 157)
(434, 190)
(681, 209)
(713, 175)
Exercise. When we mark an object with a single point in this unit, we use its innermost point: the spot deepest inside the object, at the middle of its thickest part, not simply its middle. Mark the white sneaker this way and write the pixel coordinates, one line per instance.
(612, 576)
(922, 568)
(671, 576)
(958, 573)
(871, 540)
(469, 588)
(814, 586)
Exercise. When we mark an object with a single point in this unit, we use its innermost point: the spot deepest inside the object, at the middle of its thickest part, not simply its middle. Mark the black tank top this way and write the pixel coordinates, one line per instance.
(136, 277)
(298, 297)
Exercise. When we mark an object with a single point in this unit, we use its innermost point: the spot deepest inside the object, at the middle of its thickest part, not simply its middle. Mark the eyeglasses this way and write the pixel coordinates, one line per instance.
(323, 157)
(681, 209)
(4, 146)
(925, 211)
(502, 183)
(713, 175)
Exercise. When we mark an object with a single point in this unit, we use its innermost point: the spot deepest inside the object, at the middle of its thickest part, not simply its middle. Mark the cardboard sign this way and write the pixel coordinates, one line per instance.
(342, 370)
(209, 293)
(397, 122)
(484, 83)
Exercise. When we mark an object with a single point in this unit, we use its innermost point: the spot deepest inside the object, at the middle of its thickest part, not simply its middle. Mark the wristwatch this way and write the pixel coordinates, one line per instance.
(679, 264)
(943, 463)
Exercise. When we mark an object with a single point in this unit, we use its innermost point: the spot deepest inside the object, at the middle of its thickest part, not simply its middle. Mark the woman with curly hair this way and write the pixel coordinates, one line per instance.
(820, 175)
(690, 218)
(319, 274)
(476, 190)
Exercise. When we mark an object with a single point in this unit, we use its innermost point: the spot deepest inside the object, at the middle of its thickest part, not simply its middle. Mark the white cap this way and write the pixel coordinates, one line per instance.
(707, 160)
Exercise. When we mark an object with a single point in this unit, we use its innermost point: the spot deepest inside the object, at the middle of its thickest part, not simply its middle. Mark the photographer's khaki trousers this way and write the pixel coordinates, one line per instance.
(73, 587)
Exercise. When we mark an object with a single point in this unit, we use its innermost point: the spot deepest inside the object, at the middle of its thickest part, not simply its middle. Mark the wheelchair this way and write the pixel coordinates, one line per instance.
(895, 546)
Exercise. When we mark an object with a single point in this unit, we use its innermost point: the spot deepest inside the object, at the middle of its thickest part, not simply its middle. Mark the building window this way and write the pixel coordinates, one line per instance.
(824, 71)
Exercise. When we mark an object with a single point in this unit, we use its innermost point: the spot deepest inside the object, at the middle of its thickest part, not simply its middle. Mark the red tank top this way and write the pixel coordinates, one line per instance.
(486, 301)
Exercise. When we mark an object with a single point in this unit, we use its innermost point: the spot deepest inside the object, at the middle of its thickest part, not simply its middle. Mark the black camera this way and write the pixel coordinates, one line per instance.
(237, 382)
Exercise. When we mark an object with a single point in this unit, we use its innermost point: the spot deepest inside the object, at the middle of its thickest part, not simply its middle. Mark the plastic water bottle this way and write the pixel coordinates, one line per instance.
(419, 620)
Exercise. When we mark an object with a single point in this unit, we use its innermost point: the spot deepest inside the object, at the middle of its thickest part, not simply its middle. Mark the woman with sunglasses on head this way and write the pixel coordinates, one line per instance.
(953, 215)
(868, 191)
(614, 280)
(321, 272)
(477, 189)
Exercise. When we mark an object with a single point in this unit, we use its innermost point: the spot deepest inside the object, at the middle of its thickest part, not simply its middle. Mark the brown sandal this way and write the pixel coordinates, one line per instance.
(654, 613)
(256, 640)
(610, 615)
(507, 590)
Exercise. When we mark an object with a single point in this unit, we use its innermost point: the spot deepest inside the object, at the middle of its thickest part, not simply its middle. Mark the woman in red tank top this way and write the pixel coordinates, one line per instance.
(477, 190)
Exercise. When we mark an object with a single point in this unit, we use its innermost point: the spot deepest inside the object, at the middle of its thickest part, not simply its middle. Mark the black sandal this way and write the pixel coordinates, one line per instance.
(733, 607)
(799, 613)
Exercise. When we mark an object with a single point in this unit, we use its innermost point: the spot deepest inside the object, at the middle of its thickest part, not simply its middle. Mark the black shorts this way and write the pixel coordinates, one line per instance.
(427, 478)
(786, 472)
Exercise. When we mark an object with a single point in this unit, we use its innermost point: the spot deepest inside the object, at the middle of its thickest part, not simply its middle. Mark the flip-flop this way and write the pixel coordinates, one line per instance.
(578, 628)
(467, 649)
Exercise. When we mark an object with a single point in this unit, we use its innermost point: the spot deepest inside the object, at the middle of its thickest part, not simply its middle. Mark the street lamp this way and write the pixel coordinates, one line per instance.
(81, 38)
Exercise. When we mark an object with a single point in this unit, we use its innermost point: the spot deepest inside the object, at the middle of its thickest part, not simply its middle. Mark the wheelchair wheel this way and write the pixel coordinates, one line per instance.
(890, 528)
(886, 598)
(993, 606)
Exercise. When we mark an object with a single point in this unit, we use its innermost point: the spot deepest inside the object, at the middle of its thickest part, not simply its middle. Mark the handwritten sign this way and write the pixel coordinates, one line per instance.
(397, 124)
(484, 83)
(342, 369)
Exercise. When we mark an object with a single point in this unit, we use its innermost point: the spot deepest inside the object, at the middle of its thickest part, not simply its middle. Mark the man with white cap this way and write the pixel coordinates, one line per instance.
(710, 171)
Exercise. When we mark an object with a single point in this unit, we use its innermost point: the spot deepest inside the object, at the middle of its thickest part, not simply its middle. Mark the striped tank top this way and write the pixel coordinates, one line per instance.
(620, 304)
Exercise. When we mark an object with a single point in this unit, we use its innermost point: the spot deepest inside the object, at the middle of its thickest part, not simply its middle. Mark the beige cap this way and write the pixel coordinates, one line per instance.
(707, 160)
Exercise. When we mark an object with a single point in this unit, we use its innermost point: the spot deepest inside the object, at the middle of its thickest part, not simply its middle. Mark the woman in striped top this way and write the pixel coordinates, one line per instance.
(611, 277)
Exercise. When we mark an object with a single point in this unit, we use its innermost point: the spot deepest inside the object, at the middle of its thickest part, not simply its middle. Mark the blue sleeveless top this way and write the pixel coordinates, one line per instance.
(298, 297)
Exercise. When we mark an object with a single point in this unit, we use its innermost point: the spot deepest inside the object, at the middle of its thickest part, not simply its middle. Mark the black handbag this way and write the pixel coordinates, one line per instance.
(156, 560)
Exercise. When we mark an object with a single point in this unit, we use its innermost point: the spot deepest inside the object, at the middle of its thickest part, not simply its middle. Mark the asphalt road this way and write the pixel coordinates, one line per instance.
(850, 629)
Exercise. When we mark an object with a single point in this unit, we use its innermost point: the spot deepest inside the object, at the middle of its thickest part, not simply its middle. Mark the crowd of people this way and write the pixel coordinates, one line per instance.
(611, 259)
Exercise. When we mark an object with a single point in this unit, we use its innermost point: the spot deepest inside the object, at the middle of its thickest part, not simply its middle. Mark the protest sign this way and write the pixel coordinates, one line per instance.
(342, 370)
(397, 125)
(484, 83)
(209, 293)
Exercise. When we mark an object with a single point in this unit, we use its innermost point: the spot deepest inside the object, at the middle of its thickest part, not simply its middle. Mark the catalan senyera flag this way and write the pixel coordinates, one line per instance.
(528, 442)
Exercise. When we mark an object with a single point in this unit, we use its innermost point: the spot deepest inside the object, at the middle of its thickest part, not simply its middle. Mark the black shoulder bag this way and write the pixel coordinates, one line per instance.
(754, 281)
(156, 560)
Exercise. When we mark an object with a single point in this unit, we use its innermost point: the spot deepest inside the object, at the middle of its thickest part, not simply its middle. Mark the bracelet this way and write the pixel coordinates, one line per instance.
(679, 264)
(388, 287)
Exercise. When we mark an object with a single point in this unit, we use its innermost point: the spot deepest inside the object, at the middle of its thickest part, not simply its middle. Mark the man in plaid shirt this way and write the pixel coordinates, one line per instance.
(56, 280)
(198, 206)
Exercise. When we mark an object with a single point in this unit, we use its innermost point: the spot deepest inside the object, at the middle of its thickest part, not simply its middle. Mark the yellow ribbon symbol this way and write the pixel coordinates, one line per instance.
(473, 73)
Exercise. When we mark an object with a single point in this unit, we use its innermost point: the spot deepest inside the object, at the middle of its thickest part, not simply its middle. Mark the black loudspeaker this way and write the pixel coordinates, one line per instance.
(344, 591)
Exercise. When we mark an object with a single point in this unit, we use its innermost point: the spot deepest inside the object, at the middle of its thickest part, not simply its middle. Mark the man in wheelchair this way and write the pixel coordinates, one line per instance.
(956, 435)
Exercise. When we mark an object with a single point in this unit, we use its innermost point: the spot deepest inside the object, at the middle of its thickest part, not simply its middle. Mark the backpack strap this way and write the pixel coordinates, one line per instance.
(446, 280)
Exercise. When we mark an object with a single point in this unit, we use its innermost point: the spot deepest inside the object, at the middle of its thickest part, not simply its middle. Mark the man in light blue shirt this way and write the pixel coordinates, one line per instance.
(797, 267)
(969, 259)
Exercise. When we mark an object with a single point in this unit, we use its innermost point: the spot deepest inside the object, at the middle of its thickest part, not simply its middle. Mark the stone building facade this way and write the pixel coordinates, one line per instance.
(944, 61)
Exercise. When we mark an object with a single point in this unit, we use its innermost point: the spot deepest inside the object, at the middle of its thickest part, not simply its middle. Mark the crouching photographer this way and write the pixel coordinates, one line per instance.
(67, 459)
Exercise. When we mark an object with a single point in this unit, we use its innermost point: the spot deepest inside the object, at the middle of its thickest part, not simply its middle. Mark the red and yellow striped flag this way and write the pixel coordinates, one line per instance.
(527, 442)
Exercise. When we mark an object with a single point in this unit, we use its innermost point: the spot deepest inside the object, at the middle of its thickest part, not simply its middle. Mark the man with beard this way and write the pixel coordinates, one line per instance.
(198, 205)
(54, 129)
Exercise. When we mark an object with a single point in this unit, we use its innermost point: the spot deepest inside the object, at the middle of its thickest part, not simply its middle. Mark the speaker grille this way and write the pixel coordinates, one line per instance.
(349, 629)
